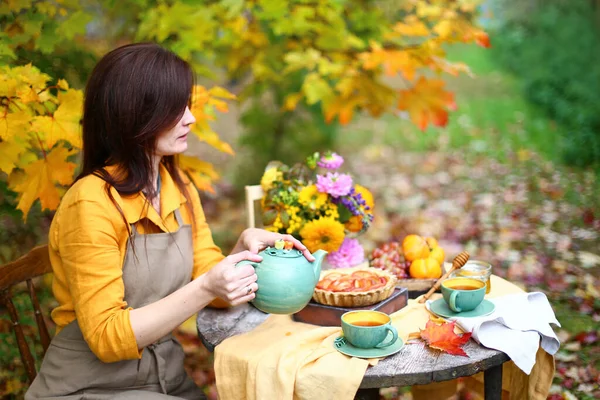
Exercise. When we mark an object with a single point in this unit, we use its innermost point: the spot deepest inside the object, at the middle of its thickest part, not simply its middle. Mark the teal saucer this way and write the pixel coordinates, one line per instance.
(344, 347)
(439, 307)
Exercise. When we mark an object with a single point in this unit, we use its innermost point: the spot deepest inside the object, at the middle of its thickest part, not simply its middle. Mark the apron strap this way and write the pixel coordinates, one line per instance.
(178, 217)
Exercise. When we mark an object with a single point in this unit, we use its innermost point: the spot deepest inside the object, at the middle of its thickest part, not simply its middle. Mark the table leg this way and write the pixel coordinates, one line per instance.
(367, 394)
(492, 383)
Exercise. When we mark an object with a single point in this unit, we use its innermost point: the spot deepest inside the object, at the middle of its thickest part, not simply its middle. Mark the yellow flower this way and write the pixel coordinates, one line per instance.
(355, 223)
(324, 233)
(271, 175)
(310, 197)
(366, 195)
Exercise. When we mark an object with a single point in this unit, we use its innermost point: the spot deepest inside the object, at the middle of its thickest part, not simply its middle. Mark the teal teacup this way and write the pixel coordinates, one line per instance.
(368, 329)
(463, 294)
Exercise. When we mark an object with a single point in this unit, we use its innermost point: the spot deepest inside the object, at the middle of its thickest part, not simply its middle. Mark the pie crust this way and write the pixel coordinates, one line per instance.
(355, 298)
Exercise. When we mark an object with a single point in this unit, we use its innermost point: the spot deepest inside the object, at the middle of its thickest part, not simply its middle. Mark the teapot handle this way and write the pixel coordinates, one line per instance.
(244, 262)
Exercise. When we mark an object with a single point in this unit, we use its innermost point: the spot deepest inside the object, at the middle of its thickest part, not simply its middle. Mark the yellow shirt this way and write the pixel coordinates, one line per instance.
(87, 243)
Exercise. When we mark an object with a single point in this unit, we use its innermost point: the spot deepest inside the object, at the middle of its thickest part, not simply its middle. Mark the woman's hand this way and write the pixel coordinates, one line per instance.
(255, 240)
(234, 284)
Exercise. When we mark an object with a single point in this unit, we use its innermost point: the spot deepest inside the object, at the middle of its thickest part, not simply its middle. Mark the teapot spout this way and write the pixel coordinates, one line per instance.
(319, 255)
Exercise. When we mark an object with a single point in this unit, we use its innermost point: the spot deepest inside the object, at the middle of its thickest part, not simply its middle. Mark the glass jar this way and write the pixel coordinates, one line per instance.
(480, 270)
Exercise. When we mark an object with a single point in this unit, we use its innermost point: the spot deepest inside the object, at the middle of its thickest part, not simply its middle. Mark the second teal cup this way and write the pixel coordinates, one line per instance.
(463, 294)
(368, 329)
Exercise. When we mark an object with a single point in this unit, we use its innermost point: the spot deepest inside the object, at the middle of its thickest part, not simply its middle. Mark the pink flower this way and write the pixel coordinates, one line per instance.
(330, 161)
(349, 254)
(334, 184)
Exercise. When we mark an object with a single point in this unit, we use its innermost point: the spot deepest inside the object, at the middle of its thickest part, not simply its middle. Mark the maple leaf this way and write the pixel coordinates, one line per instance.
(65, 123)
(343, 108)
(442, 337)
(9, 155)
(393, 61)
(411, 26)
(427, 102)
(200, 172)
(38, 180)
(13, 124)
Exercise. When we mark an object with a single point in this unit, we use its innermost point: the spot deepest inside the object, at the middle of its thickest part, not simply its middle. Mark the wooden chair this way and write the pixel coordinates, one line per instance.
(33, 264)
(253, 193)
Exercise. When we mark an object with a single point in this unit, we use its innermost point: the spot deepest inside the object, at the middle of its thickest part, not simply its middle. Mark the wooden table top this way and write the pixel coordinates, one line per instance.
(415, 364)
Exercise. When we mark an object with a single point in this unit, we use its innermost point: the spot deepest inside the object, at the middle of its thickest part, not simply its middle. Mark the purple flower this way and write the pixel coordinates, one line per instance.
(334, 184)
(349, 254)
(330, 161)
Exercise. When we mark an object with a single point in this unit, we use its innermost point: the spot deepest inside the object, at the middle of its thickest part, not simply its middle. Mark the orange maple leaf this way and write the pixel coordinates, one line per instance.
(442, 337)
(427, 102)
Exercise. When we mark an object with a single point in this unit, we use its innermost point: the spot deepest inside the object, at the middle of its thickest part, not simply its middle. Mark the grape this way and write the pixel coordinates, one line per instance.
(389, 257)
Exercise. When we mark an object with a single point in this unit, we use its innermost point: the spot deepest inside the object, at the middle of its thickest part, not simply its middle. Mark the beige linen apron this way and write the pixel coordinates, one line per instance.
(161, 264)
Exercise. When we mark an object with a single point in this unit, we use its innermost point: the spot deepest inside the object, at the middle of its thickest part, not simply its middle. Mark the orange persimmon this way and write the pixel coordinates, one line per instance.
(415, 247)
(425, 268)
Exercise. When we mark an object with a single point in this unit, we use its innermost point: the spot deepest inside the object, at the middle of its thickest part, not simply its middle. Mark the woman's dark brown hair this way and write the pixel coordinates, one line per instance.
(135, 93)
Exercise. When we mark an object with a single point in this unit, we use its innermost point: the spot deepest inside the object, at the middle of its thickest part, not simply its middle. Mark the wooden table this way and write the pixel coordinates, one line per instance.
(413, 365)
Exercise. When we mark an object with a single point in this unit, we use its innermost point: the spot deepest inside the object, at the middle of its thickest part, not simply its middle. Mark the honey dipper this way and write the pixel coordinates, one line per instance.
(460, 260)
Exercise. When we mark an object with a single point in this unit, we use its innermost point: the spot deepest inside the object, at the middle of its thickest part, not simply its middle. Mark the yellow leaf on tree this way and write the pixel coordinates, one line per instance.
(9, 155)
(65, 123)
(291, 101)
(14, 124)
(32, 76)
(411, 27)
(62, 84)
(223, 93)
(39, 179)
(427, 102)
(201, 172)
(8, 86)
(341, 107)
(316, 89)
(393, 61)
(207, 135)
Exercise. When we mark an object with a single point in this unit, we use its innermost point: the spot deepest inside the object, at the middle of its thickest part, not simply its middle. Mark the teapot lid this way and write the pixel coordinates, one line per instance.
(284, 253)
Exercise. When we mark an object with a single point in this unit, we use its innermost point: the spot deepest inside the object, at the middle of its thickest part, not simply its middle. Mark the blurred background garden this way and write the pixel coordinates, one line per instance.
(495, 148)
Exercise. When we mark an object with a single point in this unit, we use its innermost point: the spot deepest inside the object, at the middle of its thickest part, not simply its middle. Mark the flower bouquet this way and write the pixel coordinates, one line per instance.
(319, 205)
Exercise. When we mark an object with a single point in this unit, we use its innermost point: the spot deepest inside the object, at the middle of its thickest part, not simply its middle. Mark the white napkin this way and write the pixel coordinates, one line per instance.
(515, 327)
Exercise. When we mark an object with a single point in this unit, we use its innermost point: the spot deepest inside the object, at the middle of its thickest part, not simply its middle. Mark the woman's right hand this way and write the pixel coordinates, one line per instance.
(235, 284)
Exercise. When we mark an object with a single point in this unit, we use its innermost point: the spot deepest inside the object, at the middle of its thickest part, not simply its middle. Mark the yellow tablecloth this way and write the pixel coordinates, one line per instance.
(284, 359)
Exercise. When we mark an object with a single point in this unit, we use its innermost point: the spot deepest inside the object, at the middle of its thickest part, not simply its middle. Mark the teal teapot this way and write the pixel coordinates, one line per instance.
(286, 279)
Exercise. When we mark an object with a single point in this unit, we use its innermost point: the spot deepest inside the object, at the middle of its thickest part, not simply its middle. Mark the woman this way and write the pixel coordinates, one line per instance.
(131, 251)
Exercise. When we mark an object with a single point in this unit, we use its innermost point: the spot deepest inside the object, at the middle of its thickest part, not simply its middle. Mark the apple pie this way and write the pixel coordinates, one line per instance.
(354, 287)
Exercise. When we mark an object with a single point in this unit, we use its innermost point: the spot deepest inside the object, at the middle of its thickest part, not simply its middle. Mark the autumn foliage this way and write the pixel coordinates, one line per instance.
(442, 337)
(340, 52)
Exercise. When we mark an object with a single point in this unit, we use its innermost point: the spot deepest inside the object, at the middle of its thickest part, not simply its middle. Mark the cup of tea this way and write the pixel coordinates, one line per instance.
(463, 294)
(368, 329)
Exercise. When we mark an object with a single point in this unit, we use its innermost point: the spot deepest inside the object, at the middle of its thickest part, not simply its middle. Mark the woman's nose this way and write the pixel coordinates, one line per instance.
(188, 117)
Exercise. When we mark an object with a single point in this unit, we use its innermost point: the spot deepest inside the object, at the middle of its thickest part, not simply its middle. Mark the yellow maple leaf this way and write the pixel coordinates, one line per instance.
(39, 179)
(411, 26)
(200, 172)
(427, 102)
(14, 124)
(8, 86)
(393, 61)
(217, 91)
(210, 137)
(65, 123)
(341, 107)
(32, 76)
(9, 155)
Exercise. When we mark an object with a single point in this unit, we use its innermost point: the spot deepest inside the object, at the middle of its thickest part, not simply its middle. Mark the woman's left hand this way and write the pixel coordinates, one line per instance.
(255, 240)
